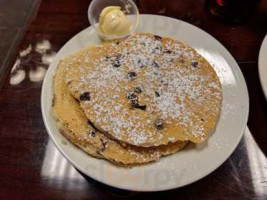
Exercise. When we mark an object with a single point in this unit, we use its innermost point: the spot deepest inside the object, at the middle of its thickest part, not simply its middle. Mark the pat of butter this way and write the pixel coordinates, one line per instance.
(113, 21)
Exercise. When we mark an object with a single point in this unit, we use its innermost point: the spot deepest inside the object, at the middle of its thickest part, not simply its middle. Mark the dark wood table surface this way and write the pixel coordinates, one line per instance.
(30, 165)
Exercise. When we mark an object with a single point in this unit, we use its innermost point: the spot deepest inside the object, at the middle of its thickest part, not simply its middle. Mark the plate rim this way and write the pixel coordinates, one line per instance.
(260, 66)
(48, 128)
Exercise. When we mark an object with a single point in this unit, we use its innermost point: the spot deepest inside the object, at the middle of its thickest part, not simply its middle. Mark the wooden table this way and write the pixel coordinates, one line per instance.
(30, 165)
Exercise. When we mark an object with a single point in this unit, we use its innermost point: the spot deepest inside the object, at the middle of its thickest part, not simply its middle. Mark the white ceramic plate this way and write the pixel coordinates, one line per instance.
(263, 65)
(194, 162)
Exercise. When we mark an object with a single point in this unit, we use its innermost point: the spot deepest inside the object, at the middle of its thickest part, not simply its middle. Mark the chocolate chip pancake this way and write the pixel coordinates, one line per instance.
(146, 90)
(74, 125)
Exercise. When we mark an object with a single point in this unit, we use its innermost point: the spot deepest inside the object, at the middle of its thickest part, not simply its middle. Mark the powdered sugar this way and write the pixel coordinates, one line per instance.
(173, 89)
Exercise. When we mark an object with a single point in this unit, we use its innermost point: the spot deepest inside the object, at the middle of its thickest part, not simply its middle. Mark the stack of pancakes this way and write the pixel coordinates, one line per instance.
(134, 100)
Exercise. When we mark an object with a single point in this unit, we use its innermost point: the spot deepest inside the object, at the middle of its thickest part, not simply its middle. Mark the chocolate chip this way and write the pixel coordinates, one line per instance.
(168, 52)
(157, 94)
(132, 75)
(157, 37)
(131, 96)
(85, 96)
(202, 120)
(138, 90)
(194, 64)
(157, 50)
(93, 134)
(141, 107)
(116, 63)
(155, 64)
(159, 124)
(134, 103)
(133, 99)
